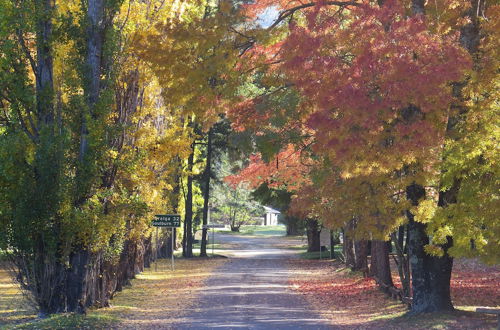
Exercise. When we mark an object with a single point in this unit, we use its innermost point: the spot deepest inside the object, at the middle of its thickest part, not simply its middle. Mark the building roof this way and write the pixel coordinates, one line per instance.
(271, 210)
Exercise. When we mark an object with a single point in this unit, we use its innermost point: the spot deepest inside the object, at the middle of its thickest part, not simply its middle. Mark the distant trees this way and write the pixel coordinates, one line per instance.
(232, 204)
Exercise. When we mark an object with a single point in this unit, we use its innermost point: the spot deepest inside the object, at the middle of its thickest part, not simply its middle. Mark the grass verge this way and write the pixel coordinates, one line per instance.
(155, 299)
(279, 230)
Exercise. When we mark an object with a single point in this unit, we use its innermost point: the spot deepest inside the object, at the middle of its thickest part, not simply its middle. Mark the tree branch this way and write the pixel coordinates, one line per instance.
(27, 52)
(24, 127)
(288, 12)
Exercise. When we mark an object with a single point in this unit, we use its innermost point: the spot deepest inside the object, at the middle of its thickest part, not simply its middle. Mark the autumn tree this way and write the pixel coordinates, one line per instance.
(377, 130)
(88, 161)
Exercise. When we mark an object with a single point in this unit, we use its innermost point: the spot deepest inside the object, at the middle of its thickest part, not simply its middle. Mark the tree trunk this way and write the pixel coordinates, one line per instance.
(206, 195)
(148, 251)
(294, 226)
(95, 40)
(235, 226)
(313, 235)
(45, 66)
(361, 256)
(355, 252)
(402, 260)
(187, 251)
(348, 248)
(380, 267)
(174, 201)
(430, 275)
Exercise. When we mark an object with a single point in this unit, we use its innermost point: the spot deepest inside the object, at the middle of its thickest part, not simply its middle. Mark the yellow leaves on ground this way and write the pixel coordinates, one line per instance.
(13, 307)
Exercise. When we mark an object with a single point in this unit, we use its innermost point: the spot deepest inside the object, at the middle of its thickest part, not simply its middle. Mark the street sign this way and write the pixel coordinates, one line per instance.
(167, 220)
(213, 225)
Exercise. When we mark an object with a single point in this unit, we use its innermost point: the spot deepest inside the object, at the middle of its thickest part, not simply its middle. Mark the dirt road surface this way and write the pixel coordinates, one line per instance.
(250, 291)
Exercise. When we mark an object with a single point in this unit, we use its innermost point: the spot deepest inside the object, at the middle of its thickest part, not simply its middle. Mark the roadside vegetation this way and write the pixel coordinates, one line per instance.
(153, 299)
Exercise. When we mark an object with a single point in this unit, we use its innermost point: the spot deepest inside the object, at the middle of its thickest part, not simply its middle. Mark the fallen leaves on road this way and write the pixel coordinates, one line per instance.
(474, 284)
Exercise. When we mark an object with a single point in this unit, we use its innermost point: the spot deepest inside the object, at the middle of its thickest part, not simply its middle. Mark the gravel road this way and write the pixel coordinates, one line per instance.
(250, 291)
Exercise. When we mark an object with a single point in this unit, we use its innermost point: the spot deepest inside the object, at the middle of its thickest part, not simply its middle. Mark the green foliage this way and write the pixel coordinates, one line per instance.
(234, 205)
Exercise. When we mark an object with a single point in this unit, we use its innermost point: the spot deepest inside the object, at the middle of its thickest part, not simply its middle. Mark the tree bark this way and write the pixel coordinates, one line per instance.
(402, 260)
(313, 235)
(361, 256)
(95, 40)
(174, 201)
(294, 226)
(347, 247)
(235, 226)
(206, 194)
(355, 251)
(380, 266)
(430, 275)
(187, 251)
(45, 67)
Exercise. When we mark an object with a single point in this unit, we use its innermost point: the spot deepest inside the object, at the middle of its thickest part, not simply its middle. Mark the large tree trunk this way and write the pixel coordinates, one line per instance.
(361, 256)
(80, 259)
(313, 235)
(206, 194)
(380, 267)
(430, 275)
(41, 270)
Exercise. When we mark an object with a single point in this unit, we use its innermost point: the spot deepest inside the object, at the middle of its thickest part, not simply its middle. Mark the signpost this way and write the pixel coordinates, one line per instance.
(213, 226)
(167, 221)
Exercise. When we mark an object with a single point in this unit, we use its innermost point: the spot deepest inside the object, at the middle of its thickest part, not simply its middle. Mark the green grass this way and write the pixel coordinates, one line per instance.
(279, 230)
(3, 255)
(316, 255)
(69, 321)
(196, 248)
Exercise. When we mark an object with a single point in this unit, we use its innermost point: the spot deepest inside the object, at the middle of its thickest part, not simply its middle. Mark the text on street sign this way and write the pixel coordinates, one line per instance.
(167, 220)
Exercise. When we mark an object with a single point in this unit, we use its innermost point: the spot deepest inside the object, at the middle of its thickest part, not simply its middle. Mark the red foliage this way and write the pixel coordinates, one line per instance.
(286, 169)
(244, 115)
(385, 75)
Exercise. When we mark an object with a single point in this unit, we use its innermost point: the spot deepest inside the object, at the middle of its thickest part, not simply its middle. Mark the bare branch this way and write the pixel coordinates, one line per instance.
(289, 12)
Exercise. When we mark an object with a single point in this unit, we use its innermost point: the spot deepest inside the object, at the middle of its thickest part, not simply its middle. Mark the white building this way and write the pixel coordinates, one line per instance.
(271, 217)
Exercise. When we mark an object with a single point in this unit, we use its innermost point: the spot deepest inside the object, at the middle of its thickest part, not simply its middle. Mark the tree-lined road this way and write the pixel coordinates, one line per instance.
(251, 290)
